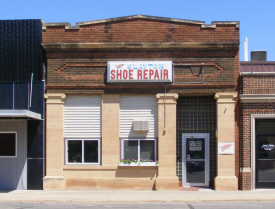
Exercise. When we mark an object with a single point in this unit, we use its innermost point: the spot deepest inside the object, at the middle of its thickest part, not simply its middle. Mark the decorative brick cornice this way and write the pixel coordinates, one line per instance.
(142, 45)
(147, 17)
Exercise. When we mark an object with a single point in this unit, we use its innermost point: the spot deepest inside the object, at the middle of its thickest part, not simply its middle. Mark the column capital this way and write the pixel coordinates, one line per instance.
(170, 98)
(55, 98)
(226, 97)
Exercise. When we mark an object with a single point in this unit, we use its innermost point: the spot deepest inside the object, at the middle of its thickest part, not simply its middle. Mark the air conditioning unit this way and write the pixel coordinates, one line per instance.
(141, 125)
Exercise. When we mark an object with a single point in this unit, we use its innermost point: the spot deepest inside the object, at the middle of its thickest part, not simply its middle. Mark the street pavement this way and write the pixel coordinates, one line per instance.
(134, 196)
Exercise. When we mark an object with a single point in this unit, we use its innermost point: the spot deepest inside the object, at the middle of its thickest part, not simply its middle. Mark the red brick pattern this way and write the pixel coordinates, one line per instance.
(141, 30)
(259, 84)
(245, 181)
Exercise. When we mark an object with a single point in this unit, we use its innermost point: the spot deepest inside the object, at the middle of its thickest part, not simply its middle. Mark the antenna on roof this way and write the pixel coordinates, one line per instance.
(246, 50)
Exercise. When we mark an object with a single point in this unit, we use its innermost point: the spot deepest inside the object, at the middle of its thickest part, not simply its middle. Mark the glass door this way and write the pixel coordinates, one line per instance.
(265, 153)
(195, 159)
(265, 161)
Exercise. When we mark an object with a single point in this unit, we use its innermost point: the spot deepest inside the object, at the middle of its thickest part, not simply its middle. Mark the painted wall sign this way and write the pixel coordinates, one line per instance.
(139, 71)
(226, 148)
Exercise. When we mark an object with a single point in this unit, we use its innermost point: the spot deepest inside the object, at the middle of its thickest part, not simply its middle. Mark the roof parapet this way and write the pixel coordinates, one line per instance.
(172, 20)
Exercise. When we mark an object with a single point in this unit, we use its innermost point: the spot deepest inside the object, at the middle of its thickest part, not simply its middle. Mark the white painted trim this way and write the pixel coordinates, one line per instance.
(253, 144)
(10, 132)
(20, 113)
(252, 98)
(206, 136)
(83, 139)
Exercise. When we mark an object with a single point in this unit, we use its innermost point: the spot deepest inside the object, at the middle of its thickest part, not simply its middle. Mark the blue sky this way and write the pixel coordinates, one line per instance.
(257, 18)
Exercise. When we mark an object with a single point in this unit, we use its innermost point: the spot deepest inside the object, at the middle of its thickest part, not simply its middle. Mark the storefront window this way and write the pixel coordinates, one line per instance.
(80, 151)
(139, 150)
(7, 144)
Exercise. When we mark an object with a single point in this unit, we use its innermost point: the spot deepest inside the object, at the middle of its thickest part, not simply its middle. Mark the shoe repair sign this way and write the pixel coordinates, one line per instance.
(226, 148)
(139, 71)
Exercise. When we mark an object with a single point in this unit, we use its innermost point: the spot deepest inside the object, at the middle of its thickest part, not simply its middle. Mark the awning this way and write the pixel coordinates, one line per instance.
(20, 114)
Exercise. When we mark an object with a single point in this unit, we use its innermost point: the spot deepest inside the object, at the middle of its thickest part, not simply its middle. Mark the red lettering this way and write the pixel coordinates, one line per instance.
(165, 74)
(125, 74)
(131, 74)
(145, 74)
(139, 74)
(151, 72)
(118, 74)
(156, 75)
(113, 74)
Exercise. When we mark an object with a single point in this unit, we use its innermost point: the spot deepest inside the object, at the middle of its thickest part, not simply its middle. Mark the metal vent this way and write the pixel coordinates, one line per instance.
(258, 55)
(141, 125)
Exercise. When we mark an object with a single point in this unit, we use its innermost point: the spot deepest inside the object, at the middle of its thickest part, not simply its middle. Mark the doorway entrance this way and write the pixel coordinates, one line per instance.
(195, 159)
(265, 153)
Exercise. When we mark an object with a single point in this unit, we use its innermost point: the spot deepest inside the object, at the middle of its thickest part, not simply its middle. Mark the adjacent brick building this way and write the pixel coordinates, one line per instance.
(257, 122)
(93, 121)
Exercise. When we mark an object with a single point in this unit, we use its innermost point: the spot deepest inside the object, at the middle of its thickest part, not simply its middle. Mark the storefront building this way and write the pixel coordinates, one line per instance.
(142, 102)
(22, 105)
(257, 122)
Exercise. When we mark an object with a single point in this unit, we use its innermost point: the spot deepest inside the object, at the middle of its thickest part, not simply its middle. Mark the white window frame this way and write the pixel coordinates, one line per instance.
(11, 132)
(155, 147)
(82, 139)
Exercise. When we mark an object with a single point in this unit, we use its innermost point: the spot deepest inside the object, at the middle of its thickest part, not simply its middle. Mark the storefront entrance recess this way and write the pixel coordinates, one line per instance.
(195, 159)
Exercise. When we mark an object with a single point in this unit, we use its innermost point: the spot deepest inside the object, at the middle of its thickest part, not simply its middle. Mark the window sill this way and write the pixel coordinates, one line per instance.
(88, 167)
(138, 164)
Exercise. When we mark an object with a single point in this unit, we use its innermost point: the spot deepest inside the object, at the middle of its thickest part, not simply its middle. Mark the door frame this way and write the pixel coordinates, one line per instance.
(206, 136)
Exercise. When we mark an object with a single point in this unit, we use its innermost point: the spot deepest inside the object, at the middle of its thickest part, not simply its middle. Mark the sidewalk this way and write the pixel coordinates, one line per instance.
(134, 196)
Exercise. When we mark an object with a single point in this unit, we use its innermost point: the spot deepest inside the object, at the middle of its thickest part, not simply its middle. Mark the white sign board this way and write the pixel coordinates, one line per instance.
(139, 71)
(226, 148)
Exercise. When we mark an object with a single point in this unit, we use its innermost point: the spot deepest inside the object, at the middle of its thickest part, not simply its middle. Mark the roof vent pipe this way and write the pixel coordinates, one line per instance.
(246, 49)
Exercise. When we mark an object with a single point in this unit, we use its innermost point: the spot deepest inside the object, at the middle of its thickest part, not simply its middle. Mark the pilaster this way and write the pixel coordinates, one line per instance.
(110, 129)
(54, 178)
(226, 179)
(167, 178)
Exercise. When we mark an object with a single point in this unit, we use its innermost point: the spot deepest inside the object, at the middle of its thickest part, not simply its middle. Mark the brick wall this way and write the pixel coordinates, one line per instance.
(141, 30)
(80, 70)
(260, 84)
(264, 84)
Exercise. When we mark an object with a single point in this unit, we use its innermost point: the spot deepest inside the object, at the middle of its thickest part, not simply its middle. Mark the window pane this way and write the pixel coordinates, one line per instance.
(147, 150)
(266, 147)
(7, 144)
(195, 172)
(195, 148)
(265, 126)
(130, 149)
(266, 170)
(91, 151)
(74, 151)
